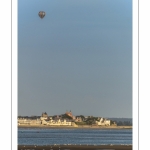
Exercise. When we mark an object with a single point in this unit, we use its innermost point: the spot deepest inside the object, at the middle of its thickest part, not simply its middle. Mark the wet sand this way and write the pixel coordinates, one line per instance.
(76, 147)
(72, 127)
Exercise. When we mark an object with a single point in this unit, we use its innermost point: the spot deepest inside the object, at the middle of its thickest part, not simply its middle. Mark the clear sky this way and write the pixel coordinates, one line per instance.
(78, 57)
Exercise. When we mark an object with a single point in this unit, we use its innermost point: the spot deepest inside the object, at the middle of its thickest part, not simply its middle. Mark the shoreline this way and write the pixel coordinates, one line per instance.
(75, 147)
(73, 127)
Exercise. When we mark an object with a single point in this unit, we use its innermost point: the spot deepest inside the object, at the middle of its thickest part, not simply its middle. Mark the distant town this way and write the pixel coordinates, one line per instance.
(68, 119)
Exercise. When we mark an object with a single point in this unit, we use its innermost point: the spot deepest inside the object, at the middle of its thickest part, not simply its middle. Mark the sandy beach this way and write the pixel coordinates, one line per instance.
(76, 147)
(79, 127)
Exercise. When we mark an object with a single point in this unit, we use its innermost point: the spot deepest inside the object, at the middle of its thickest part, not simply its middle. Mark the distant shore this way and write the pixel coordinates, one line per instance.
(76, 147)
(79, 127)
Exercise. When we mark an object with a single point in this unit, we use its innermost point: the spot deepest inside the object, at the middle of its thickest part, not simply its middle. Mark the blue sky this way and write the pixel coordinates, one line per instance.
(78, 57)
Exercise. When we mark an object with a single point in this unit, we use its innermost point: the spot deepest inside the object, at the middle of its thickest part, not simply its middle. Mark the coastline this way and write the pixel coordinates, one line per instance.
(74, 127)
(75, 147)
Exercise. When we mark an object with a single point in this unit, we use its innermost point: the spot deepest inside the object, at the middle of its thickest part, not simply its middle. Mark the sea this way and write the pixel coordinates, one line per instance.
(51, 136)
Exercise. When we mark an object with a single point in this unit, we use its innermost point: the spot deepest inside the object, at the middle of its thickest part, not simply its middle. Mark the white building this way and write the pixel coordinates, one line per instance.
(103, 122)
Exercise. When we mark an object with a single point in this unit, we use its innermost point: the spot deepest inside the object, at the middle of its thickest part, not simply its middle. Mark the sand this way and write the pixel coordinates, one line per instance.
(72, 127)
(76, 147)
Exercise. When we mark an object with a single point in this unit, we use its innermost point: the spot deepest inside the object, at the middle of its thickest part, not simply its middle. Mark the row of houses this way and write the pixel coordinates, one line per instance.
(59, 120)
(24, 121)
(63, 122)
(101, 122)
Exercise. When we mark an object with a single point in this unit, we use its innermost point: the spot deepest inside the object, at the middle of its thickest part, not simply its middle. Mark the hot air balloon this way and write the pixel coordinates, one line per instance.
(41, 14)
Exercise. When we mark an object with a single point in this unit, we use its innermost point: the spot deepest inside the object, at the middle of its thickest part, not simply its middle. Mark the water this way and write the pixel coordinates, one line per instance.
(36, 136)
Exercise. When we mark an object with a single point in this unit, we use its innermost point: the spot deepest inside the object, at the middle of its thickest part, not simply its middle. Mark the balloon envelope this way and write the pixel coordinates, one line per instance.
(41, 14)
